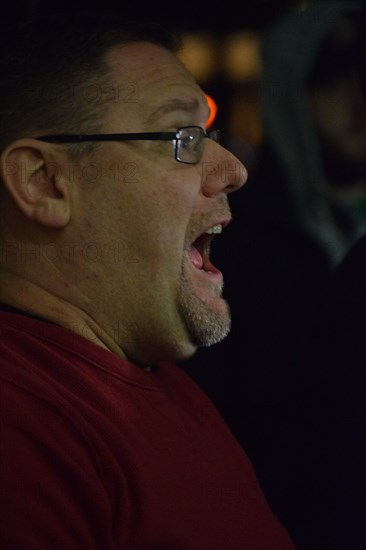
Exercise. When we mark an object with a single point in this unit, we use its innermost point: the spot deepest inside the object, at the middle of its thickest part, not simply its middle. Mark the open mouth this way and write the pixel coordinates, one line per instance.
(199, 251)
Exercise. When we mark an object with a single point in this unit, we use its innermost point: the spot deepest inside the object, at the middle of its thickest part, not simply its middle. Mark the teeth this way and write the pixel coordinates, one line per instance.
(216, 229)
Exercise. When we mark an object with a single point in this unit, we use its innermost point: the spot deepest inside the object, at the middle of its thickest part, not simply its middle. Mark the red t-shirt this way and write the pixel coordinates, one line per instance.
(97, 453)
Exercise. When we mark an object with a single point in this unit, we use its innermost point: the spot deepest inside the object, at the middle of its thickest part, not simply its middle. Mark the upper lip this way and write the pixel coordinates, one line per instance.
(223, 222)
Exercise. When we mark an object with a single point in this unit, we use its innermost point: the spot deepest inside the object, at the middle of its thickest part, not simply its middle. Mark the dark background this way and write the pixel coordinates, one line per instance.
(217, 17)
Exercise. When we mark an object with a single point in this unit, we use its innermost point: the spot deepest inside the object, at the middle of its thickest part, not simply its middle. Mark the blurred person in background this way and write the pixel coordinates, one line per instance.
(301, 211)
(341, 388)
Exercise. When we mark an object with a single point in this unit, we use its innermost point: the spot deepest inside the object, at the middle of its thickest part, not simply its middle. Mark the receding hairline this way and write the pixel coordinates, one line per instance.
(28, 64)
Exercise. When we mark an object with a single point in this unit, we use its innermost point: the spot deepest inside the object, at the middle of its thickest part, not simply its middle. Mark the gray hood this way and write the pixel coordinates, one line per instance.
(289, 50)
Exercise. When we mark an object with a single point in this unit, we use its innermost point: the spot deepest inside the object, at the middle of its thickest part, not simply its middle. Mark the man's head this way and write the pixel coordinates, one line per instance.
(123, 228)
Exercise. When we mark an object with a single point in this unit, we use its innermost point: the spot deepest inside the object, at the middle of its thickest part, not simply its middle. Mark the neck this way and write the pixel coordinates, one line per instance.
(23, 294)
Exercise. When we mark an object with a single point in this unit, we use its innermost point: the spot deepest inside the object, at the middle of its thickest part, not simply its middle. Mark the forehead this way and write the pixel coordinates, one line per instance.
(158, 83)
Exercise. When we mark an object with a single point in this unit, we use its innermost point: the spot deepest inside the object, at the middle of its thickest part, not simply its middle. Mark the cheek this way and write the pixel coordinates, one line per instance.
(151, 210)
(166, 221)
(156, 229)
(169, 203)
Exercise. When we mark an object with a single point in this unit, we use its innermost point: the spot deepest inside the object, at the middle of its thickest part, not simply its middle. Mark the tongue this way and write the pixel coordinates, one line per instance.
(195, 257)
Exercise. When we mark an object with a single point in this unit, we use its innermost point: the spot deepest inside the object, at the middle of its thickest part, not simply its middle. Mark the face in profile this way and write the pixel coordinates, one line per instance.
(169, 300)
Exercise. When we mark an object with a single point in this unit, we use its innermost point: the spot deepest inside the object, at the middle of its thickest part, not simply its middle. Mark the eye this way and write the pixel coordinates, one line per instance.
(190, 142)
(191, 138)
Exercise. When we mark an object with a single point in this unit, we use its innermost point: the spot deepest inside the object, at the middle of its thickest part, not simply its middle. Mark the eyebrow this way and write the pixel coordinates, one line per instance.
(174, 105)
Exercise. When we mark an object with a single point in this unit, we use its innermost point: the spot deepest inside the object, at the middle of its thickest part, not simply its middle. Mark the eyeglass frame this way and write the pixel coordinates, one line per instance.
(136, 136)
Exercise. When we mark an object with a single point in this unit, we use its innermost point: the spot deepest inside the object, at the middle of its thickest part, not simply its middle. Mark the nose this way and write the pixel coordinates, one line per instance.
(222, 172)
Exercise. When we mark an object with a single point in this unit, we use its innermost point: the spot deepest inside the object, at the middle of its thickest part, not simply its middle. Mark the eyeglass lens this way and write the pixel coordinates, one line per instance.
(189, 145)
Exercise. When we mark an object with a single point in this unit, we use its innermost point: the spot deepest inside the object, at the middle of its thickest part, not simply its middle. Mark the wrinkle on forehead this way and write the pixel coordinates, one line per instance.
(159, 77)
(192, 106)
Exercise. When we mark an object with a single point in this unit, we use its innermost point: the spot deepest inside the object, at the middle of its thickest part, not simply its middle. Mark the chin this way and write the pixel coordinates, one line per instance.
(207, 324)
(202, 308)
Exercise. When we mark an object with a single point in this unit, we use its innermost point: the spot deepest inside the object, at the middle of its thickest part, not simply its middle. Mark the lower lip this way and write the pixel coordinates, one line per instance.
(214, 275)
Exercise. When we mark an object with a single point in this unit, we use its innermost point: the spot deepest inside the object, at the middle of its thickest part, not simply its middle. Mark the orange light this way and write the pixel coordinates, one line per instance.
(213, 110)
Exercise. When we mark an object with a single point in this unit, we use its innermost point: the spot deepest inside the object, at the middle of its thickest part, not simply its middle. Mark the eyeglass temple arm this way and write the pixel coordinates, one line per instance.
(78, 138)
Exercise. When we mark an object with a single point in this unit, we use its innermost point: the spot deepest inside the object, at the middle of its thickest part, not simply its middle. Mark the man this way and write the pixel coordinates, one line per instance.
(111, 194)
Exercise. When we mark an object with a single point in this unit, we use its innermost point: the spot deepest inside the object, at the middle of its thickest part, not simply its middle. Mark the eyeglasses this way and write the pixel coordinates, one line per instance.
(188, 140)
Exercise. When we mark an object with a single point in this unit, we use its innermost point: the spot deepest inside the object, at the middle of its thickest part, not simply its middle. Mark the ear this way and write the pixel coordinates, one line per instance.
(36, 183)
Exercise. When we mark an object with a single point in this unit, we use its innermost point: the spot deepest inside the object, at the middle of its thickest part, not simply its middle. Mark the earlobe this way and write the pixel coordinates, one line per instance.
(36, 183)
